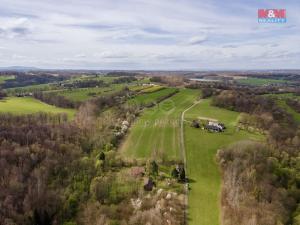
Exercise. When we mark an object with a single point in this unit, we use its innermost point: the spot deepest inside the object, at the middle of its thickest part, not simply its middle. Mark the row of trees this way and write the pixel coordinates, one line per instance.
(122, 74)
(85, 84)
(55, 99)
(124, 79)
(2, 94)
(168, 80)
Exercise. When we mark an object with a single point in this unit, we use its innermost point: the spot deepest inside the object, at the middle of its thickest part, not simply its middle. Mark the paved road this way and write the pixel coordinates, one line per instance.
(182, 147)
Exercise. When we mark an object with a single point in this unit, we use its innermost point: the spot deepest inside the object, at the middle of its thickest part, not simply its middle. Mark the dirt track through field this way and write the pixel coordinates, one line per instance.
(182, 148)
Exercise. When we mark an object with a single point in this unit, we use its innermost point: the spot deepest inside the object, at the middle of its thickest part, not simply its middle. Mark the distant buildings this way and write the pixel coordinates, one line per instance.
(24, 94)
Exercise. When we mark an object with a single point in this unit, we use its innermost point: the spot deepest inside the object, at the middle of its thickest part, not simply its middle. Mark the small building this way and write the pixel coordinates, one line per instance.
(215, 126)
(24, 94)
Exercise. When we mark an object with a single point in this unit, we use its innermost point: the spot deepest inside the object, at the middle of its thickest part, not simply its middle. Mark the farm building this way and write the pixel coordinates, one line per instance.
(215, 126)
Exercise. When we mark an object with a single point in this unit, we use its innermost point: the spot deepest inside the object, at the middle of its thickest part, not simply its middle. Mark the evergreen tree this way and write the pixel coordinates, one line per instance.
(153, 168)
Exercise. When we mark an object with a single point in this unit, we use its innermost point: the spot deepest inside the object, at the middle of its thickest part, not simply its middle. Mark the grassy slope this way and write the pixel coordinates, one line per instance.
(82, 94)
(259, 81)
(29, 105)
(201, 148)
(151, 96)
(152, 89)
(157, 129)
(281, 103)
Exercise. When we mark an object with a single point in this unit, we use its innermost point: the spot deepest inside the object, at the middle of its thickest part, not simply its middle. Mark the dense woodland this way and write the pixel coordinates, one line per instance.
(48, 164)
(277, 76)
(85, 84)
(54, 99)
(261, 182)
(2, 94)
(124, 79)
(23, 79)
(294, 104)
(216, 87)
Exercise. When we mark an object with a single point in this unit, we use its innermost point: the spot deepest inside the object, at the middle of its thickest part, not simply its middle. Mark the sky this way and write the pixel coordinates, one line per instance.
(148, 34)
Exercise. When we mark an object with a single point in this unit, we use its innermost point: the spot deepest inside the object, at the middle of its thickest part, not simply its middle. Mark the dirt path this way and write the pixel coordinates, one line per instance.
(182, 147)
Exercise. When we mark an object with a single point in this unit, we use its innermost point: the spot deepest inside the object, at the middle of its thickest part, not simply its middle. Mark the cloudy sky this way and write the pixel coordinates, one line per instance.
(148, 34)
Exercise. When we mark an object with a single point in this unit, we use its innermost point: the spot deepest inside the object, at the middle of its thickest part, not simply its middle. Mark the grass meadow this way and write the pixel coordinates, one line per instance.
(28, 105)
(83, 94)
(151, 97)
(156, 133)
(201, 147)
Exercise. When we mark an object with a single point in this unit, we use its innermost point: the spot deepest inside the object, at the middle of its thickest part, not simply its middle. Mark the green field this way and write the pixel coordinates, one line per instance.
(283, 95)
(106, 79)
(143, 87)
(30, 88)
(4, 78)
(152, 89)
(137, 88)
(82, 94)
(259, 81)
(28, 105)
(156, 132)
(201, 147)
(150, 97)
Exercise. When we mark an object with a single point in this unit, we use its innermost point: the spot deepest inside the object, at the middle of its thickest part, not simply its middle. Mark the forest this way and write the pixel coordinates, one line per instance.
(23, 79)
(256, 176)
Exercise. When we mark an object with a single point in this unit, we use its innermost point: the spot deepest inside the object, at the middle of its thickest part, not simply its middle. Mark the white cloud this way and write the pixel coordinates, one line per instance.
(141, 34)
(197, 39)
(14, 27)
